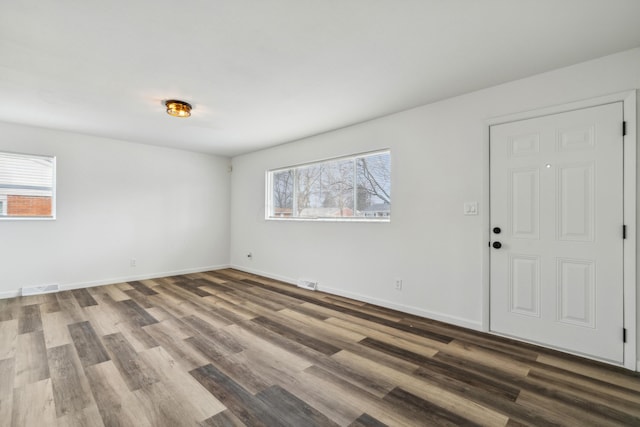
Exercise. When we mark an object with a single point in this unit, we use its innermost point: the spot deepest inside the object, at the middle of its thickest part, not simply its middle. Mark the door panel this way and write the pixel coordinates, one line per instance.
(576, 298)
(575, 202)
(524, 197)
(556, 192)
(525, 285)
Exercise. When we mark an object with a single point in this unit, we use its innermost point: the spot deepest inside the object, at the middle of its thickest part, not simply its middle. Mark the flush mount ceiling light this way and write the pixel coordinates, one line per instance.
(177, 108)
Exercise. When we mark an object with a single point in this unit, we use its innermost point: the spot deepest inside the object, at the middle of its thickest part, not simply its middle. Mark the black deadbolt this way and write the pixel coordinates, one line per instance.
(497, 245)
(496, 230)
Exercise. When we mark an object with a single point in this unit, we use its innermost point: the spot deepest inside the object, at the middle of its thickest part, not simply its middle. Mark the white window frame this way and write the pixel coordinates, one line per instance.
(269, 191)
(53, 159)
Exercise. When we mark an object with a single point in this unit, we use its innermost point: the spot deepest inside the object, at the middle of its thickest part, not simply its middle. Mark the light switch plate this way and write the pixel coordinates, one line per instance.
(471, 208)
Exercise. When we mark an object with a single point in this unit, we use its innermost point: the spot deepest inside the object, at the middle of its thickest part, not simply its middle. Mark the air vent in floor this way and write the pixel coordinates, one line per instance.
(308, 284)
(40, 289)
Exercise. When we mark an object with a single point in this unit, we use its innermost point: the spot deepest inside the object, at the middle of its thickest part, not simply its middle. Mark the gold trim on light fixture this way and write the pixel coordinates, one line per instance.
(177, 108)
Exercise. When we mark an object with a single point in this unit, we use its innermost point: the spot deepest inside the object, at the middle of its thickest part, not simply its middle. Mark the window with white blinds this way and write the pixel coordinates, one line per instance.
(27, 186)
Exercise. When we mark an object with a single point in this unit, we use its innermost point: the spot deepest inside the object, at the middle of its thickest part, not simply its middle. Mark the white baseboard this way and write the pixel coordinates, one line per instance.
(112, 280)
(285, 279)
(458, 321)
(9, 294)
(434, 315)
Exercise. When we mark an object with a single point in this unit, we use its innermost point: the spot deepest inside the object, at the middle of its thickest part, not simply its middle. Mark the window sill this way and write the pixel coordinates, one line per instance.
(374, 220)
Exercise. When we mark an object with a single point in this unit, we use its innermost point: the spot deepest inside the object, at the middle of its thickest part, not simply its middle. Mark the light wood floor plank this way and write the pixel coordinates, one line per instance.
(55, 329)
(7, 370)
(33, 405)
(184, 388)
(116, 404)
(88, 417)
(8, 338)
(31, 359)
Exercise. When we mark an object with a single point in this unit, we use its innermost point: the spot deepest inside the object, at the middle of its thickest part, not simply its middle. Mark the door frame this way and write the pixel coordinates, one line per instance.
(630, 162)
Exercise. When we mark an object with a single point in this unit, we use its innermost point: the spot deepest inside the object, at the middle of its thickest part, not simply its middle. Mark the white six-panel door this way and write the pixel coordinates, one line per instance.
(557, 199)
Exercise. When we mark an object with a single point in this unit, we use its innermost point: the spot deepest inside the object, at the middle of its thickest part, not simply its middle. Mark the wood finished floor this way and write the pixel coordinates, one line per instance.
(226, 348)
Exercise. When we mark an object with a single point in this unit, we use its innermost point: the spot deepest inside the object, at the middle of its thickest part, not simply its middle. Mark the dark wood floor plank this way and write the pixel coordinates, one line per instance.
(544, 390)
(117, 406)
(69, 306)
(235, 304)
(335, 394)
(426, 412)
(223, 419)
(561, 414)
(220, 337)
(395, 351)
(236, 367)
(608, 394)
(199, 306)
(83, 297)
(214, 288)
(140, 287)
(192, 287)
(9, 309)
(70, 389)
(290, 410)
(88, 345)
(501, 389)
(143, 300)
(505, 345)
(297, 336)
(50, 304)
(307, 311)
(271, 295)
(137, 337)
(259, 300)
(184, 354)
(366, 420)
(590, 368)
(29, 319)
(134, 313)
(243, 404)
(361, 313)
(134, 372)
(481, 395)
(318, 329)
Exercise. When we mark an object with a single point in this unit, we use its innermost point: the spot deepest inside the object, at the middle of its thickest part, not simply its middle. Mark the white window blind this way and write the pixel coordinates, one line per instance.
(27, 186)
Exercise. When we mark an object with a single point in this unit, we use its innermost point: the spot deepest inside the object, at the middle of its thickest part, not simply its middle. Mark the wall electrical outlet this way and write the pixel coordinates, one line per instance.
(133, 262)
(398, 284)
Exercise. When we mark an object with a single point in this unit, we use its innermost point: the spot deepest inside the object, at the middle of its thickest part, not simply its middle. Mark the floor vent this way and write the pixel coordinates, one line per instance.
(40, 289)
(308, 284)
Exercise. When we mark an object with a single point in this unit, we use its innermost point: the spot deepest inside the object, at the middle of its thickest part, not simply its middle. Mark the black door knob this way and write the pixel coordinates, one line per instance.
(497, 245)
(496, 230)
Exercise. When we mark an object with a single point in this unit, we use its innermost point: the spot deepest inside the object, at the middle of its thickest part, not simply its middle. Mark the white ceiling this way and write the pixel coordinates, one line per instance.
(264, 72)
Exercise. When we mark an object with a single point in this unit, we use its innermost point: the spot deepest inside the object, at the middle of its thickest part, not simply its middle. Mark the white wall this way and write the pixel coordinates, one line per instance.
(437, 165)
(117, 200)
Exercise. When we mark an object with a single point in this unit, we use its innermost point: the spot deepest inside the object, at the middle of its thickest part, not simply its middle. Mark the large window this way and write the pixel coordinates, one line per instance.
(356, 187)
(27, 186)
